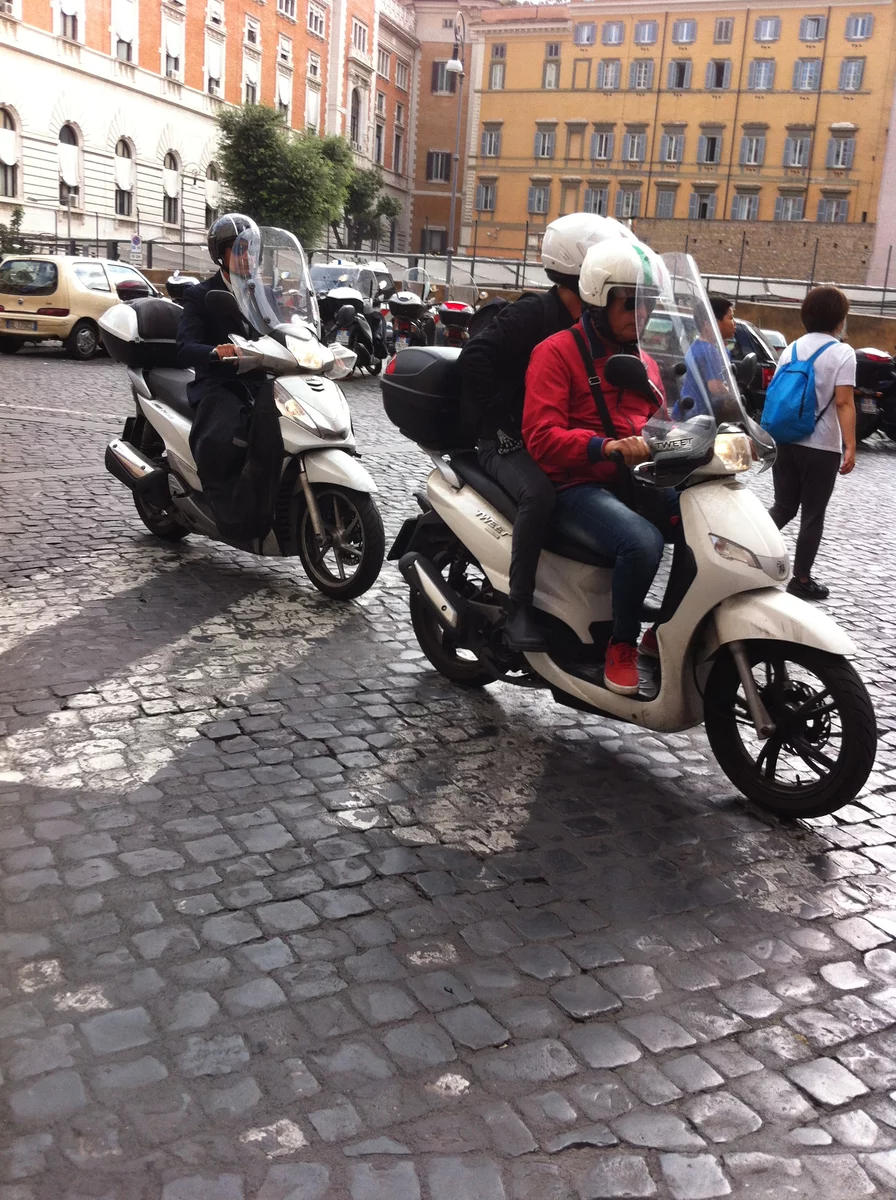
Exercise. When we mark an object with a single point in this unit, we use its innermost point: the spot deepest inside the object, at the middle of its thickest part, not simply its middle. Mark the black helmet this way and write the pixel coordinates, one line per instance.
(224, 232)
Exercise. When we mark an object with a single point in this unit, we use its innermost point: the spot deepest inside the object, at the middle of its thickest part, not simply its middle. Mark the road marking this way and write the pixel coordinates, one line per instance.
(74, 412)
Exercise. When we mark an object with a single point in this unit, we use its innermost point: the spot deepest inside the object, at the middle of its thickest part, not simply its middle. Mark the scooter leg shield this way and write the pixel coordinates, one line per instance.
(336, 467)
(774, 615)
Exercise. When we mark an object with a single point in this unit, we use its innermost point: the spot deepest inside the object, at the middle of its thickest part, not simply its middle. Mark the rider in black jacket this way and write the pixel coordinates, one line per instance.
(493, 369)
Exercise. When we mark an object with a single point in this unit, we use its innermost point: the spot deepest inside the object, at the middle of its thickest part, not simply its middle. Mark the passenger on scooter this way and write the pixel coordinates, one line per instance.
(572, 429)
(493, 369)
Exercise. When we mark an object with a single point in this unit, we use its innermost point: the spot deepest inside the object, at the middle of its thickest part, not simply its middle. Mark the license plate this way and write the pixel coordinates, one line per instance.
(401, 343)
(342, 337)
(31, 325)
(869, 405)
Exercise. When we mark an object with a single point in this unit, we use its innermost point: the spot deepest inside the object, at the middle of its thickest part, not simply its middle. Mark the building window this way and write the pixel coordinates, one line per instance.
(789, 208)
(752, 150)
(444, 82)
(602, 145)
(646, 33)
(597, 200)
(841, 151)
(250, 90)
(284, 49)
(402, 75)
(70, 26)
(313, 65)
(859, 27)
(287, 8)
(833, 210)
(796, 150)
(284, 97)
(124, 50)
(383, 63)
(665, 203)
(359, 35)
(172, 66)
(628, 203)
(807, 74)
(214, 65)
(398, 154)
(317, 20)
(812, 29)
(684, 32)
(761, 76)
(253, 32)
(585, 33)
(552, 50)
(399, 114)
(499, 50)
(438, 166)
(124, 179)
(724, 31)
(672, 147)
(550, 79)
(381, 104)
(544, 143)
(485, 197)
(702, 206)
(171, 189)
(640, 78)
(379, 144)
(767, 29)
(355, 119)
(634, 147)
(539, 199)
(312, 107)
(495, 76)
(852, 72)
(69, 167)
(609, 73)
(490, 145)
(9, 155)
(216, 12)
(718, 74)
(745, 206)
(612, 33)
(680, 74)
(709, 148)
(212, 192)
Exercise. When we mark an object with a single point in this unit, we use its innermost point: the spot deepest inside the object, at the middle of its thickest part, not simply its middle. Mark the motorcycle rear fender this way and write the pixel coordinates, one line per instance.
(771, 614)
(337, 467)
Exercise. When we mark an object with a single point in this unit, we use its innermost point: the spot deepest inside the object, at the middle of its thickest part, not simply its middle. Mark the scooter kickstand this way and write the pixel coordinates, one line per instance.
(759, 715)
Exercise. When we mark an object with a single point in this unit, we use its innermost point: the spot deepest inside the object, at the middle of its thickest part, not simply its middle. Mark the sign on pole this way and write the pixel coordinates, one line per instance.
(137, 250)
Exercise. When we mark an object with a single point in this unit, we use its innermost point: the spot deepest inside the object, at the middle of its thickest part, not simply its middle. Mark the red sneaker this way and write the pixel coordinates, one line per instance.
(649, 646)
(621, 669)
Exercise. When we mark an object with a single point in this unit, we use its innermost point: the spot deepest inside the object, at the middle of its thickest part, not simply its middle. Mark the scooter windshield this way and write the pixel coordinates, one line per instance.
(462, 289)
(271, 283)
(679, 330)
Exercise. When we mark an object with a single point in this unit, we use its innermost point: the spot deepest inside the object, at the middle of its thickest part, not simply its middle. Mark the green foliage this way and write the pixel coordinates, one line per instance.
(367, 206)
(297, 181)
(10, 241)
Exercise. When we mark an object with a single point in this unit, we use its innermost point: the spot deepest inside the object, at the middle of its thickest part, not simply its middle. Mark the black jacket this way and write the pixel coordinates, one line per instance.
(199, 332)
(493, 363)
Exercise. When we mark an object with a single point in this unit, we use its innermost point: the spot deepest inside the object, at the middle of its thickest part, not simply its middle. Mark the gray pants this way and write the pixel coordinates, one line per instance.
(524, 479)
(804, 478)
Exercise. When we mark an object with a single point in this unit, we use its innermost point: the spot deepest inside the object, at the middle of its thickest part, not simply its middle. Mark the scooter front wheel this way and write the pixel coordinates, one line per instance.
(347, 561)
(825, 738)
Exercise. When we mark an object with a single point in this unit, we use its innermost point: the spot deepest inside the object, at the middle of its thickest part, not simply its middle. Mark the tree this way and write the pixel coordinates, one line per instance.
(367, 206)
(297, 181)
(10, 241)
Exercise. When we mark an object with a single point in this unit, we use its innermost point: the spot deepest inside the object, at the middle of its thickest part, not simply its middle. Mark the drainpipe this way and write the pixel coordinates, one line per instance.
(735, 140)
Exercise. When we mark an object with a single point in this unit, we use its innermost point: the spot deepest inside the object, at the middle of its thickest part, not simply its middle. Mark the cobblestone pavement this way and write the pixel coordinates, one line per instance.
(288, 917)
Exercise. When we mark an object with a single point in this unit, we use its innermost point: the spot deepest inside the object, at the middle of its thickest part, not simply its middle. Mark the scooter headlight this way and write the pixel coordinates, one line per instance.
(734, 552)
(291, 408)
(734, 452)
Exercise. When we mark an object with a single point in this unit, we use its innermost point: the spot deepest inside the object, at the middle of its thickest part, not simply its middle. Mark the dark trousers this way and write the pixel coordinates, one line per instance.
(521, 476)
(804, 478)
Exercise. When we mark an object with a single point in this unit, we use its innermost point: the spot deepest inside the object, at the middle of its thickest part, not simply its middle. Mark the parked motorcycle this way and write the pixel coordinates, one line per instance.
(413, 316)
(459, 301)
(177, 284)
(325, 512)
(875, 393)
(788, 718)
(349, 322)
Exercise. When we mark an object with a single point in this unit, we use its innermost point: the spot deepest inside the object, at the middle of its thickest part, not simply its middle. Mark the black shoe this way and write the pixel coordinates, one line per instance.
(521, 631)
(810, 590)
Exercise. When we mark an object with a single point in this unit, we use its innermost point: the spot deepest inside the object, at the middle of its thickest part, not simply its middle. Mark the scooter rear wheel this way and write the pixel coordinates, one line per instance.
(825, 738)
(437, 644)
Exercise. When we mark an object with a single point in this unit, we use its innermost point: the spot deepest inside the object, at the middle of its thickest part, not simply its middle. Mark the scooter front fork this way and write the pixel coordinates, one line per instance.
(311, 501)
(759, 714)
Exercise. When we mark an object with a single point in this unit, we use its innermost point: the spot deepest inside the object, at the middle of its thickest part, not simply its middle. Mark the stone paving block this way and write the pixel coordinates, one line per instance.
(354, 1059)
(657, 1130)
(255, 996)
(541, 962)
(538, 1181)
(201, 1187)
(658, 1033)
(772, 1097)
(475, 1179)
(649, 1083)
(440, 990)
(471, 1026)
(338, 1122)
(296, 1181)
(692, 1073)
(50, 1098)
(419, 1044)
(232, 1100)
(120, 1030)
(827, 1081)
(839, 1175)
(52, 1051)
(722, 1117)
(583, 997)
(383, 1003)
(285, 917)
(526, 1062)
(232, 929)
(617, 1175)
(138, 1073)
(602, 1046)
(694, 1176)
(395, 1182)
(510, 1136)
(217, 1055)
(582, 1138)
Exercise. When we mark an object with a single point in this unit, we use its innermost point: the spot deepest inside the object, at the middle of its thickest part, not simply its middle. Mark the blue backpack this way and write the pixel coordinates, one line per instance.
(789, 411)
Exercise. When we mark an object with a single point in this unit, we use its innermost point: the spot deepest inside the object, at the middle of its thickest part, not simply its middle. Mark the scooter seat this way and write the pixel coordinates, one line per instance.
(169, 384)
(468, 467)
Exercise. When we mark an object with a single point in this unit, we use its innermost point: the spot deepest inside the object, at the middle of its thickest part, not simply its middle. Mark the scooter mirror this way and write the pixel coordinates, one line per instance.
(626, 371)
(345, 316)
(745, 370)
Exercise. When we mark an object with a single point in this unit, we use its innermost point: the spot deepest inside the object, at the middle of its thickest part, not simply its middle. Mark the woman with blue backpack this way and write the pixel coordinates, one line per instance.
(810, 412)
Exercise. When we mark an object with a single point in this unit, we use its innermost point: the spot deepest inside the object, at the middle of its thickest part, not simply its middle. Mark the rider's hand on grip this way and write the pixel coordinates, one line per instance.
(227, 350)
(630, 451)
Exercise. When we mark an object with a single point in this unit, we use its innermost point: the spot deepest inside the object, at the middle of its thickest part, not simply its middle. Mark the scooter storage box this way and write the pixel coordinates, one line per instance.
(143, 333)
(454, 315)
(421, 395)
(406, 304)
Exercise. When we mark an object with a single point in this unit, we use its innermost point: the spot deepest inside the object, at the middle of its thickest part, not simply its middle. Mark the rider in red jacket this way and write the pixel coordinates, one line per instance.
(564, 432)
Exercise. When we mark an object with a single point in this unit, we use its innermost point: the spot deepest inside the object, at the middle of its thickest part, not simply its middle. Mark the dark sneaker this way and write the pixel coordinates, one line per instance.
(810, 590)
(648, 646)
(521, 630)
(621, 669)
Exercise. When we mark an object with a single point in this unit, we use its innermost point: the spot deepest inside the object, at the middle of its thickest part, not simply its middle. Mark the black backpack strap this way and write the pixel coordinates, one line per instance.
(594, 383)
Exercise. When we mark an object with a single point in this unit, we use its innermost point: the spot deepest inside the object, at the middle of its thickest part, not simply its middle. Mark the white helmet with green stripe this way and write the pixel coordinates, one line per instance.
(619, 263)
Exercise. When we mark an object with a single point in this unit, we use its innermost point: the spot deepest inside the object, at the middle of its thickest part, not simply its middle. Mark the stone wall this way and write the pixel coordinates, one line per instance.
(862, 329)
(773, 249)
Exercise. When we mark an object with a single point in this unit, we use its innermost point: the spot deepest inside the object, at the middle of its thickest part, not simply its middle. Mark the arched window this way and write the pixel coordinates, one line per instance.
(69, 167)
(124, 178)
(9, 155)
(212, 195)
(171, 189)
(355, 126)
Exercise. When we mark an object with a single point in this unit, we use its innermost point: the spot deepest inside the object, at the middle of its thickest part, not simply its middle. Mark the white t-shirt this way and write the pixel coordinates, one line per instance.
(835, 368)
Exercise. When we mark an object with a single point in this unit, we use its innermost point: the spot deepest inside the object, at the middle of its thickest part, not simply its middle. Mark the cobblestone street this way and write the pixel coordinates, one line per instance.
(289, 917)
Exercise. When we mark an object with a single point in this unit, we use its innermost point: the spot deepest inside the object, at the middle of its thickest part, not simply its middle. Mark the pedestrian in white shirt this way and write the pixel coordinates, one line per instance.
(805, 472)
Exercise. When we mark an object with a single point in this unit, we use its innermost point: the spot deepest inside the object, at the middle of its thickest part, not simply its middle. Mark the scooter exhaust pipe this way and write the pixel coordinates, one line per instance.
(131, 467)
(443, 600)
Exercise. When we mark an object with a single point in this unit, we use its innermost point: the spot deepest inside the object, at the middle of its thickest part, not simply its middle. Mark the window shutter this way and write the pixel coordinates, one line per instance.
(726, 75)
(796, 75)
(430, 163)
(483, 147)
(789, 150)
(770, 78)
(844, 74)
(479, 195)
(849, 149)
(753, 75)
(693, 206)
(754, 208)
(804, 28)
(687, 74)
(537, 142)
(665, 144)
(744, 149)
(710, 75)
(620, 203)
(670, 75)
(633, 75)
(761, 149)
(435, 77)
(779, 208)
(831, 156)
(701, 148)
(497, 143)
(649, 83)
(822, 27)
(711, 206)
(531, 204)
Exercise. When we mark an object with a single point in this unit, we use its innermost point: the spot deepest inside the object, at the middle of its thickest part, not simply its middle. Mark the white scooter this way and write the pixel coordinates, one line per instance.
(787, 717)
(324, 510)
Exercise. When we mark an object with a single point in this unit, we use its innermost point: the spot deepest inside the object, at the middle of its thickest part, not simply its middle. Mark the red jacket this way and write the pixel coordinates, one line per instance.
(562, 428)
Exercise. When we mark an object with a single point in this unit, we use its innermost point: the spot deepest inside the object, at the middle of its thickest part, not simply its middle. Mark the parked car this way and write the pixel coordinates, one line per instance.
(776, 341)
(60, 296)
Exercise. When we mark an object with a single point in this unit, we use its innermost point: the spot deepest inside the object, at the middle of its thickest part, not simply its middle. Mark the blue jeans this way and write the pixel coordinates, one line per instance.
(595, 517)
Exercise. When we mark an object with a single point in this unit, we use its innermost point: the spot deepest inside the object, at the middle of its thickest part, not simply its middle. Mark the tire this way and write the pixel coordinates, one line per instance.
(866, 424)
(83, 342)
(440, 651)
(10, 345)
(162, 524)
(845, 723)
(353, 513)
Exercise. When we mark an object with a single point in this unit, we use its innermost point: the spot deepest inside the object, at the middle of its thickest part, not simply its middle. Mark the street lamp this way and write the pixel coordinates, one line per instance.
(455, 66)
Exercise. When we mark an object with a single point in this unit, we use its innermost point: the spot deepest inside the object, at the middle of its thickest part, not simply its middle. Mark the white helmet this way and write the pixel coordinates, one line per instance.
(619, 263)
(568, 239)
